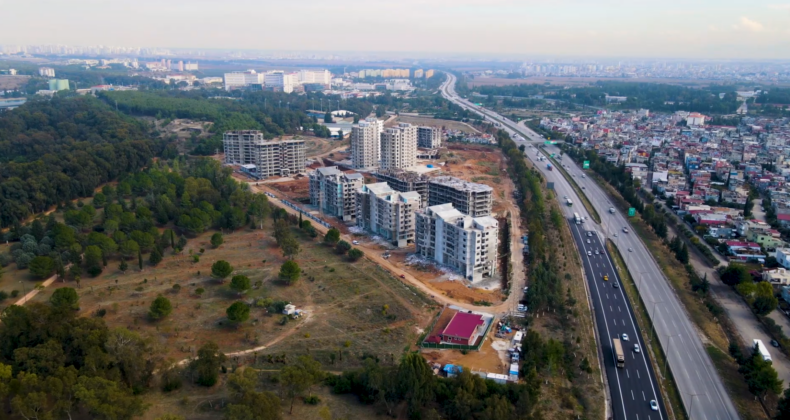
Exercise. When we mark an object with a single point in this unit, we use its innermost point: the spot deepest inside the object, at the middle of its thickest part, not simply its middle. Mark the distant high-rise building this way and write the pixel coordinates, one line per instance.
(180, 66)
(429, 137)
(279, 80)
(46, 72)
(240, 79)
(387, 213)
(418, 74)
(315, 76)
(428, 74)
(270, 157)
(365, 145)
(335, 192)
(191, 66)
(58, 84)
(399, 147)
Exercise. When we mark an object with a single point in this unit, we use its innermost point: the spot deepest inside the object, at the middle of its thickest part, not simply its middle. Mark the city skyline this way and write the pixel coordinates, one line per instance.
(700, 30)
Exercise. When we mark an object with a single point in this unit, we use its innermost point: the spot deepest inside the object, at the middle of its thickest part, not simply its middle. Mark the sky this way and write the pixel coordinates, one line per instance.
(717, 29)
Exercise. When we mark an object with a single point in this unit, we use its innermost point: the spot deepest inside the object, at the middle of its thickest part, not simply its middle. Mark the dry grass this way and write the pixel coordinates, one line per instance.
(433, 122)
(344, 300)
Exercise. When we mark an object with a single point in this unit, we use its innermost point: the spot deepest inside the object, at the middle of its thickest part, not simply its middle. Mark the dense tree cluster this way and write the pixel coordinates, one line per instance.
(426, 396)
(54, 364)
(52, 151)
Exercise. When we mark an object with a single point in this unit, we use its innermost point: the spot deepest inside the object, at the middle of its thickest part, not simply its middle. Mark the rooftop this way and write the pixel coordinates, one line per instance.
(460, 184)
(463, 325)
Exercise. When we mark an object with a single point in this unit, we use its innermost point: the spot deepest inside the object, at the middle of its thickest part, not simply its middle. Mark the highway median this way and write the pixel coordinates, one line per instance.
(585, 202)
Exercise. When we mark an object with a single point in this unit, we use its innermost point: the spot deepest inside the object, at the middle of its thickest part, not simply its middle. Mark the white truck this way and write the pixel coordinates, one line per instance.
(760, 347)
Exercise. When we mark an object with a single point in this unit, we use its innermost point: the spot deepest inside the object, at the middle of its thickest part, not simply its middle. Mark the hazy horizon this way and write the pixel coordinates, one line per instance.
(704, 29)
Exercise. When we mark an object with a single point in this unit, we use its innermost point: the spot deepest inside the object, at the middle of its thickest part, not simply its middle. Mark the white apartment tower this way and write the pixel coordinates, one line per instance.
(315, 76)
(46, 72)
(385, 212)
(464, 243)
(399, 147)
(380, 128)
(365, 145)
(281, 80)
(335, 192)
(270, 157)
(240, 79)
(429, 137)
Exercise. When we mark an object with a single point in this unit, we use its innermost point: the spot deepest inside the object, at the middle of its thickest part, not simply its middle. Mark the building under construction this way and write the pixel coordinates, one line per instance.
(469, 198)
(405, 181)
(270, 157)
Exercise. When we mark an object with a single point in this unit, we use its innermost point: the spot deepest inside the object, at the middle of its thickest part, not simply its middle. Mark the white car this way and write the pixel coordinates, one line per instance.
(653, 405)
(588, 241)
(625, 230)
(589, 253)
(636, 348)
(625, 337)
(355, 242)
(630, 250)
(615, 234)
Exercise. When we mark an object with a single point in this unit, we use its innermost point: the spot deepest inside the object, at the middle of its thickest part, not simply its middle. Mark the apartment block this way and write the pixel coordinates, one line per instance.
(315, 76)
(46, 72)
(469, 198)
(429, 137)
(365, 145)
(399, 147)
(466, 244)
(385, 212)
(405, 181)
(335, 192)
(279, 80)
(240, 79)
(270, 157)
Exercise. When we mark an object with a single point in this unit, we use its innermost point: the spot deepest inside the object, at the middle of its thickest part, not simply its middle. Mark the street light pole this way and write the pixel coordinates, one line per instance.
(669, 348)
(691, 406)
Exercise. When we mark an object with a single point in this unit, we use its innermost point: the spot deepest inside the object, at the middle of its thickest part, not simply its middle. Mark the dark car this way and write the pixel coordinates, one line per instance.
(774, 343)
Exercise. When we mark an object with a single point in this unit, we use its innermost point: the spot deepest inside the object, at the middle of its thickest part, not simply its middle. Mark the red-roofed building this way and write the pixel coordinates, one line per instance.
(783, 218)
(464, 329)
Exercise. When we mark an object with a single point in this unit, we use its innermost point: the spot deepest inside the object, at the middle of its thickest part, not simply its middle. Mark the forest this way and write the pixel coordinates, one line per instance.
(653, 96)
(54, 151)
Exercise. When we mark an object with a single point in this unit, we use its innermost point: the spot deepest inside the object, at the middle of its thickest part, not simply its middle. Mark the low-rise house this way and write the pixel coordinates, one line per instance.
(778, 276)
(463, 329)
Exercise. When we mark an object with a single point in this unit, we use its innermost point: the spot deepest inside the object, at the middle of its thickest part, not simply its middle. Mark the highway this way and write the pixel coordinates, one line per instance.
(633, 386)
(701, 389)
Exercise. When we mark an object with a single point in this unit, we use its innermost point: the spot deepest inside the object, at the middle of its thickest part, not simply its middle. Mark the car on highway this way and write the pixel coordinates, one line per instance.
(630, 250)
(615, 234)
(653, 405)
(584, 176)
(588, 241)
(625, 337)
(774, 343)
(589, 253)
(597, 252)
(606, 277)
(589, 233)
(625, 230)
(616, 285)
(583, 187)
(636, 348)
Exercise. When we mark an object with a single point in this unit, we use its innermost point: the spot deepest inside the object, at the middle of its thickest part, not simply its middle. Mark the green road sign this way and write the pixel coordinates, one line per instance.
(549, 142)
(586, 164)
(631, 212)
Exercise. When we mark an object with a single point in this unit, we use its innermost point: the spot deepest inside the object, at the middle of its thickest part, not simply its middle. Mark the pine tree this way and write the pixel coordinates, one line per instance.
(123, 266)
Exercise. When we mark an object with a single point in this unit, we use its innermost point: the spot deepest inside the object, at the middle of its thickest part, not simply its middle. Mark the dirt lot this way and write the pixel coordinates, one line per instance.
(317, 146)
(482, 164)
(13, 82)
(432, 122)
(345, 302)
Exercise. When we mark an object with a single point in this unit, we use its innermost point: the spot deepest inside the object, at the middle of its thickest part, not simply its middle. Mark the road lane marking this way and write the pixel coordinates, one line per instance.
(632, 395)
(637, 374)
(626, 374)
(643, 396)
(618, 309)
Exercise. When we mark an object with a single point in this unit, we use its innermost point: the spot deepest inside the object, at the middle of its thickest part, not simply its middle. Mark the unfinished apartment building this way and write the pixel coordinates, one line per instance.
(399, 147)
(429, 137)
(385, 212)
(270, 157)
(335, 192)
(464, 243)
(469, 198)
(365, 145)
(405, 181)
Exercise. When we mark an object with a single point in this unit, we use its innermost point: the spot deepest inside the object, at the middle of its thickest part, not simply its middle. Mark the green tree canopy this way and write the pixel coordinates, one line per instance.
(221, 269)
(240, 283)
(290, 272)
(160, 308)
(238, 312)
(217, 240)
(41, 267)
(332, 236)
(65, 297)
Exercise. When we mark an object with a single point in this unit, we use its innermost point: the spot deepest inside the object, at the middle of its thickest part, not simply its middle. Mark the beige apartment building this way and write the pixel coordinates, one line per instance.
(399, 147)
(270, 157)
(385, 212)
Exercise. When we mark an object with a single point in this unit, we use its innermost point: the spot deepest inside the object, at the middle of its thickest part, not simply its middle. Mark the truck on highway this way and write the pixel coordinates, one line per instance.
(619, 356)
(577, 219)
(760, 347)
(569, 202)
(548, 166)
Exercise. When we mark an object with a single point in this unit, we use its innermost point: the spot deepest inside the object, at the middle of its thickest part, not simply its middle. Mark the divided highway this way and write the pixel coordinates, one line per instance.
(633, 386)
(701, 389)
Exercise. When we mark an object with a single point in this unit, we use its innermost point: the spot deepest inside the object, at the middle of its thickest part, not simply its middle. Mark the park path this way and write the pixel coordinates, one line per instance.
(31, 294)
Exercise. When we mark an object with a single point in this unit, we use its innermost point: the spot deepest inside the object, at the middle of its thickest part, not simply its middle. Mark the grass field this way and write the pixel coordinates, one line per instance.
(433, 122)
(344, 301)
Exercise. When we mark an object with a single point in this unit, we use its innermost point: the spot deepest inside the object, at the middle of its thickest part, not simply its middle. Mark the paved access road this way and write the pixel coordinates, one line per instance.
(701, 389)
(633, 386)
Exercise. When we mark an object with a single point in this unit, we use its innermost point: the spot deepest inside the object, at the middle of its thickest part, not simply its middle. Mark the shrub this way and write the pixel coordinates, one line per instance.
(160, 308)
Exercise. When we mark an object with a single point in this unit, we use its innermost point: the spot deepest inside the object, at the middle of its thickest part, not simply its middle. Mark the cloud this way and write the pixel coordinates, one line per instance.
(749, 25)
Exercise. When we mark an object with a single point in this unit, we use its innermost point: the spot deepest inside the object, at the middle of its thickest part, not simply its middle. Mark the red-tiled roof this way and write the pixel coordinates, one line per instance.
(463, 325)
(783, 216)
